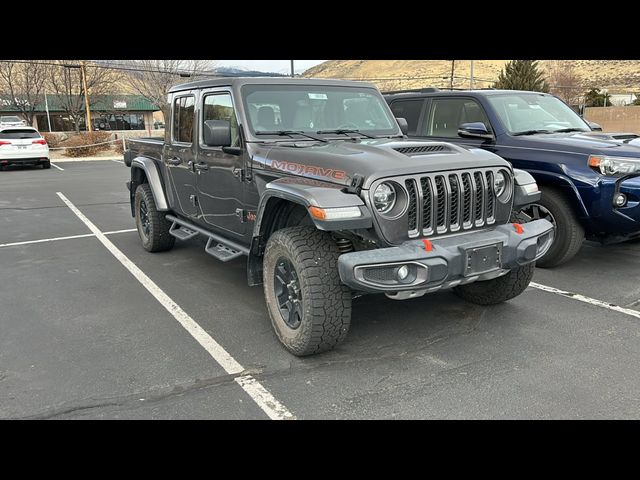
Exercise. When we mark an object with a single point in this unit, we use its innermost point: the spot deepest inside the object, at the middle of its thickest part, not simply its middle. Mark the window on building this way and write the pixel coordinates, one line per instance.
(220, 107)
(183, 119)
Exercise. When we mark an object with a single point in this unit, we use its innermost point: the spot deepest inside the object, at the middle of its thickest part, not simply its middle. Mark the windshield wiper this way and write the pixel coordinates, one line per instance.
(531, 132)
(289, 133)
(566, 130)
(345, 131)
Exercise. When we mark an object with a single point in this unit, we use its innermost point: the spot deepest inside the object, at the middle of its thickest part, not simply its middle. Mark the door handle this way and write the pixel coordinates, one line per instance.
(201, 166)
(175, 161)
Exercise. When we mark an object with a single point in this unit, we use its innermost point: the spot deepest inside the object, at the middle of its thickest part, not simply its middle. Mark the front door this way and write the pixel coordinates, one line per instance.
(445, 114)
(220, 180)
(178, 156)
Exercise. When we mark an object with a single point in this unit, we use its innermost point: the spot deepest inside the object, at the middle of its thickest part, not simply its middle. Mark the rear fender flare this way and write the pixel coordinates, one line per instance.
(154, 179)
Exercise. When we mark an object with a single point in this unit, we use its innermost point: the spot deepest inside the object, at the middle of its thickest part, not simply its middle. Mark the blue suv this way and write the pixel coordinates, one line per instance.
(589, 180)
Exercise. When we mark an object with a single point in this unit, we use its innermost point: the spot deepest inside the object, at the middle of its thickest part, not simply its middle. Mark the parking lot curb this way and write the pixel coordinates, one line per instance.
(85, 159)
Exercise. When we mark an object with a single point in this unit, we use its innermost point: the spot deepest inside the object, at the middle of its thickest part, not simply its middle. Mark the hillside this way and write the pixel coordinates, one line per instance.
(618, 76)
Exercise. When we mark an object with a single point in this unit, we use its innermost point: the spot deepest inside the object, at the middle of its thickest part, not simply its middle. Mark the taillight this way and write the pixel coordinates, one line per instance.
(4, 142)
(40, 141)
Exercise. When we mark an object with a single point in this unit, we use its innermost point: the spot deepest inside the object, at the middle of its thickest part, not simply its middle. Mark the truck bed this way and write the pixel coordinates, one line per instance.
(150, 147)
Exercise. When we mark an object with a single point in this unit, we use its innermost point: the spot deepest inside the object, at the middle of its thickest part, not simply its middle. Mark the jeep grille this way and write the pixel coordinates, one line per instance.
(447, 203)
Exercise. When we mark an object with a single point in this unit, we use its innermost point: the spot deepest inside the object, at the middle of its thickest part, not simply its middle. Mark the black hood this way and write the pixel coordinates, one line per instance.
(339, 160)
(581, 142)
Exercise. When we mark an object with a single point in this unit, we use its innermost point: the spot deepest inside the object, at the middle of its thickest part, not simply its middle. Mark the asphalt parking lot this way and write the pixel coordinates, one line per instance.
(81, 336)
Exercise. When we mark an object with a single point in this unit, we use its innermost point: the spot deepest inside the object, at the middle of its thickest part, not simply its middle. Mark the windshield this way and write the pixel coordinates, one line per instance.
(10, 119)
(317, 109)
(531, 112)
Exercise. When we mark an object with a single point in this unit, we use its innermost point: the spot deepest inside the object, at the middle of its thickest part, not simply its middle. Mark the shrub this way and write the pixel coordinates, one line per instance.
(87, 144)
(53, 139)
(118, 148)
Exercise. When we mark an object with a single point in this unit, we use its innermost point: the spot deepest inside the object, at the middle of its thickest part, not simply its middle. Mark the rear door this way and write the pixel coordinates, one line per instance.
(179, 154)
(220, 185)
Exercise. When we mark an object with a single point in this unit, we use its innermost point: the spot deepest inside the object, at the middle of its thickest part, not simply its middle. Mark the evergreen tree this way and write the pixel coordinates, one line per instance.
(522, 75)
(596, 98)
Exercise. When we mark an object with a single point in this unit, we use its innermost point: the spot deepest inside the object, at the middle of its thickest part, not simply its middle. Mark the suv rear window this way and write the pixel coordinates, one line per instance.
(14, 134)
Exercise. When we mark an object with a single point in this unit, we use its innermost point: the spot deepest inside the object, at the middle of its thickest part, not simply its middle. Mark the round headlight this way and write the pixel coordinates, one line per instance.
(499, 183)
(384, 197)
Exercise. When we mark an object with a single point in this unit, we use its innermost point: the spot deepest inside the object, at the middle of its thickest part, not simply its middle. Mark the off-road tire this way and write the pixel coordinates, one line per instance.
(497, 290)
(159, 238)
(46, 164)
(326, 302)
(569, 233)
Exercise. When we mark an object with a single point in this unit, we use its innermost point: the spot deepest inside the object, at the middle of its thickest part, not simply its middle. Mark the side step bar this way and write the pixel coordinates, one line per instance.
(217, 246)
(182, 233)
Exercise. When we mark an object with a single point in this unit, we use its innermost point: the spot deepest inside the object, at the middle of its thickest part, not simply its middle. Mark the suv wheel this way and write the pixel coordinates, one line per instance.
(152, 225)
(309, 307)
(569, 234)
(46, 164)
(497, 290)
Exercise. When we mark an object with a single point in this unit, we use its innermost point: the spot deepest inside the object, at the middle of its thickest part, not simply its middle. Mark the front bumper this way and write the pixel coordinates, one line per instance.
(445, 262)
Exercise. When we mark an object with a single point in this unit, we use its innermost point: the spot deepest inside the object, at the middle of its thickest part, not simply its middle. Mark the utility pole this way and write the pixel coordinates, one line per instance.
(293, 72)
(83, 70)
(471, 76)
(453, 68)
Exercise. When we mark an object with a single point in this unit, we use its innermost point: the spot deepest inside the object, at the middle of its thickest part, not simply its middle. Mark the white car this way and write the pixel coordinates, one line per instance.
(23, 146)
(11, 121)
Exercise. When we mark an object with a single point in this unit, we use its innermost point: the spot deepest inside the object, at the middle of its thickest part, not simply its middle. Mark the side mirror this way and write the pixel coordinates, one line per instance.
(474, 130)
(594, 126)
(217, 133)
(404, 126)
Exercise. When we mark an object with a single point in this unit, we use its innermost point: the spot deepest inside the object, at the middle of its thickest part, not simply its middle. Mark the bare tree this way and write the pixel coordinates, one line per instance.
(564, 81)
(24, 84)
(65, 80)
(153, 78)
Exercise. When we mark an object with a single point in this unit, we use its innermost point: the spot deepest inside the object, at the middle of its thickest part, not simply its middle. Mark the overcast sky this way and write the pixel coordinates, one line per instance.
(270, 66)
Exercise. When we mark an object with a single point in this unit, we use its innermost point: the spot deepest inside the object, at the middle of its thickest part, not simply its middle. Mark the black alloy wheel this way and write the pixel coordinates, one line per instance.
(286, 286)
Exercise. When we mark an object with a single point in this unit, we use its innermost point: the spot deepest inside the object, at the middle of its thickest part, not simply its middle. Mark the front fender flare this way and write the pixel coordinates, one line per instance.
(313, 193)
(557, 180)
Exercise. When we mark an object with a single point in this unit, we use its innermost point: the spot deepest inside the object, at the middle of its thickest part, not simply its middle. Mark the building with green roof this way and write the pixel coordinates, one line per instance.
(108, 112)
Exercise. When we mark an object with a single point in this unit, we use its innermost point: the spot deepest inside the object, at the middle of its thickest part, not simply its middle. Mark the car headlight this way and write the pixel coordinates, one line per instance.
(502, 185)
(499, 183)
(384, 197)
(614, 166)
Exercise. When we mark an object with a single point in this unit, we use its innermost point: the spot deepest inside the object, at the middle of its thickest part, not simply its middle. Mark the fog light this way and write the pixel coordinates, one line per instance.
(544, 243)
(620, 200)
(402, 272)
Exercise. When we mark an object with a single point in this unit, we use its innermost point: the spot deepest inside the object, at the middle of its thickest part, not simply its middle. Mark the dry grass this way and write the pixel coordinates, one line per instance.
(618, 76)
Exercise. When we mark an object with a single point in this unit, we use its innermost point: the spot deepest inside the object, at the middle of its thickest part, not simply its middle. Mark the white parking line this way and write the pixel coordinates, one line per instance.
(582, 298)
(263, 398)
(126, 230)
(56, 166)
(55, 239)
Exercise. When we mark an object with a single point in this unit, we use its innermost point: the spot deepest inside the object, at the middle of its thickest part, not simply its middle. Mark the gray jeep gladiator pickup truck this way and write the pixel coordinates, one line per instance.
(316, 184)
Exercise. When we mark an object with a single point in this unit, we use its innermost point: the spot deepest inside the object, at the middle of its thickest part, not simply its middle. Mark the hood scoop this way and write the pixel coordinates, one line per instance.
(422, 150)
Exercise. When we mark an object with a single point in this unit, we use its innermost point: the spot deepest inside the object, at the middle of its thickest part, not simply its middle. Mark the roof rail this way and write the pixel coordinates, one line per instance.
(413, 90)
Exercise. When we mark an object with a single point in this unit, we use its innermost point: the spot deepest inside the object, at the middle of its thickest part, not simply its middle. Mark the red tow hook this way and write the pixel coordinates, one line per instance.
(518, 228)
(427, 245)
